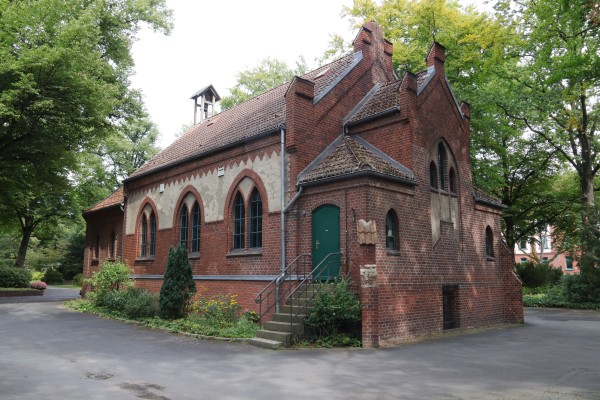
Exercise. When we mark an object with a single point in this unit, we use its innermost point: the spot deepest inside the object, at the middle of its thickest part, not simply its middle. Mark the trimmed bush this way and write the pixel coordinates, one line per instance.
(134, 303)
(53, 277)
(584, 287)
(336, 309)
(14, 277)
(178, 286)
(111, 277)
(534, 275)
(78, 280)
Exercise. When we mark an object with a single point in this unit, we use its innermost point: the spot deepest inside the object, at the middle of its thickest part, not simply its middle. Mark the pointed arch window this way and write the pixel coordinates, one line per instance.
(112, 244)
(195, 248)
(452, 180)
(255, 219)
(489, 242)
(391, 230)
(239, 220)
(183, 227)
(152, 249)
(433, 179)
(144, 237)
(442, 165)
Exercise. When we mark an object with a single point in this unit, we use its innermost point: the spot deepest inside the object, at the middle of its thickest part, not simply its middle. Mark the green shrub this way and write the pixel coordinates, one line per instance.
(14, 277)
(134, 303)
(78, 280)
(336, 309)
(178, 286)
(220, 308)
(112, 276)
(535, 275)
(52, 277)
(37, 275)
(585, 286)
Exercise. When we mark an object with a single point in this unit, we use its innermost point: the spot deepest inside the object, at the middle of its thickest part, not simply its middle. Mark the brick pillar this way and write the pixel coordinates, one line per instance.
(369, 297)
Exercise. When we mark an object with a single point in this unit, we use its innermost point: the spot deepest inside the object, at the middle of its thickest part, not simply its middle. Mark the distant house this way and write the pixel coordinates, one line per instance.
(346, 166)
(541, 248)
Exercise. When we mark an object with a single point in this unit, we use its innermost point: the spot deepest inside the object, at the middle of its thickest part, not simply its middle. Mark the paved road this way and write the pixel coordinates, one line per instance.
(51, 353)
(50, 294)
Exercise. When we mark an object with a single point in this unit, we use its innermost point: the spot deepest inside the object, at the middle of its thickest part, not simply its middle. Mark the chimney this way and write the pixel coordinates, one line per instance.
(205, 99)
(436, 57)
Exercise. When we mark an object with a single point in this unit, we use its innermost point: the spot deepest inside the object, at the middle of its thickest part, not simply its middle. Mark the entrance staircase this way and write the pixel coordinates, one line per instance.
(288, 299)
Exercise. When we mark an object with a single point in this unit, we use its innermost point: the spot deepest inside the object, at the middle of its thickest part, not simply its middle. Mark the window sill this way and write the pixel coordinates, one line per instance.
(194, 256)
(144, 259)
(490, 258)
(253, 251)
(393, 253)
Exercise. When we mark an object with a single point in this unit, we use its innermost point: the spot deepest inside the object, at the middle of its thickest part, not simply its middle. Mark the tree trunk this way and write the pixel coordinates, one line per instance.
(27, 231)
(588, 214)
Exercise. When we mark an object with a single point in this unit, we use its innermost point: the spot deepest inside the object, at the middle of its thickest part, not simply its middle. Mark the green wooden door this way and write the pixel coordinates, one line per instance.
(326, 240)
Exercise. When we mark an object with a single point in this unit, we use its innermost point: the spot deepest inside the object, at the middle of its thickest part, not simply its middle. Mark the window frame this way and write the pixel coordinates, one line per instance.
(144, 237)
(433, 176)
(255, 217)
(183, 226)
(442, 156)
(152, 233)
(239, 222)
(489, 242)
(391, 231)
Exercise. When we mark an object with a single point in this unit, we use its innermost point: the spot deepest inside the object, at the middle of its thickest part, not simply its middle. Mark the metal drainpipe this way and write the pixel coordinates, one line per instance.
(283, 199)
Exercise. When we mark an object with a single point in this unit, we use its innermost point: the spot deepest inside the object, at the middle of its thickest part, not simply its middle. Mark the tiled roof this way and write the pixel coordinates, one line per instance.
(259, 115)
(483, 197)
(386, 98)
(350, 155)
(115, 198)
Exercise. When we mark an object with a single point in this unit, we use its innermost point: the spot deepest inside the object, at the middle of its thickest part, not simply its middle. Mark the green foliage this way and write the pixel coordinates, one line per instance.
(52, 276)
(585, 286)
(336, 307)
(78, 280)
(111, 277)
(132, 303)
(535, 275)
(178, 286)
(269, 74)
(14, 277)
(37, 275)
(221, 309)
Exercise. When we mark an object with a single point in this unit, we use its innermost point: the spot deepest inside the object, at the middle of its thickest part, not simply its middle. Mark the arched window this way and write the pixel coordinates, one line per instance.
(442, 165)
(433, 180)
(183, 226)
(152, 234)
(489, 242)
(255, 219)
(452, 180)
(391, 229)
(97, 247)
(112, 244)
(144, 237)
(195, 229)
(239, 220)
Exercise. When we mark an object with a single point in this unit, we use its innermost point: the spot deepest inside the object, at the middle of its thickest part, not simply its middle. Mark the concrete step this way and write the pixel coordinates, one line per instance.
(287, 318)
(283, 337)
(266, 343)
(283, 327)
(295, 309)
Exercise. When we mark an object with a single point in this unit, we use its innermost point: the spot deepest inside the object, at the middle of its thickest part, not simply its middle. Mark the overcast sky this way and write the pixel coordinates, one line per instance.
(214, 40)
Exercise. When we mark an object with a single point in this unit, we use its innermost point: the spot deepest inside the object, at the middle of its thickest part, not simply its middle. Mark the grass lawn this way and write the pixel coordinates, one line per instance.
(66, 286)
(12, 289)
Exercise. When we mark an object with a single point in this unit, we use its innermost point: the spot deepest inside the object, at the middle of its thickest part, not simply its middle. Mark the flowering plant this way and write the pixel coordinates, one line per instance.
(38, 285)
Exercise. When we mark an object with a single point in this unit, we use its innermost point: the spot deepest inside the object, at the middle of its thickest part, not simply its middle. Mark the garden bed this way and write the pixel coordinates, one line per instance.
(12, 292)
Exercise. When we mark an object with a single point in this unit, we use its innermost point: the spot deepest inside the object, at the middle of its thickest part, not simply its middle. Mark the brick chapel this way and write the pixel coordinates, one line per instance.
(348, 160)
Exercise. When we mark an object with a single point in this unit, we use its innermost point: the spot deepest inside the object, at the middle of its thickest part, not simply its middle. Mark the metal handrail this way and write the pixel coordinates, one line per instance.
(265, 295)
(302, 287)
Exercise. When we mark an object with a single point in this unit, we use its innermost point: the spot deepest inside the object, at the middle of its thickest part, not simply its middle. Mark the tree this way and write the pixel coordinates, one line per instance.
(64, 68)
(269, 73)
(178, 286)
(556, 86)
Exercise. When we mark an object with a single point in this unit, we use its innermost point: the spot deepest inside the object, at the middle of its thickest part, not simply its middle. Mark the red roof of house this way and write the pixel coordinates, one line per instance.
(116, 198)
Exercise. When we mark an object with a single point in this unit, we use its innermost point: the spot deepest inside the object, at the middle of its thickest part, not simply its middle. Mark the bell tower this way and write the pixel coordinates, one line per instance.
(205, 100)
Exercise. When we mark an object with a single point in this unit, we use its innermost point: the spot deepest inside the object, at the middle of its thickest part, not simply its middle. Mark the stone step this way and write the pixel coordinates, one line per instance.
(283, 337)
(282, 317)
(283, 327)
(265, 343)
(295, 309)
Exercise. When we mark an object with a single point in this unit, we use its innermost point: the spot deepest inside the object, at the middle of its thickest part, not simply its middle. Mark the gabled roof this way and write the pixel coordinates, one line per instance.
(115, 199)
(383, 100)
(250, 120)
(482, 197)
(209, 88)
(349, 156)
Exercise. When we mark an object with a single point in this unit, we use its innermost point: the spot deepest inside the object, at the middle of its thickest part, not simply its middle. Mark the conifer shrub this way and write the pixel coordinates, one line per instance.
(535, 275)
(178, 286)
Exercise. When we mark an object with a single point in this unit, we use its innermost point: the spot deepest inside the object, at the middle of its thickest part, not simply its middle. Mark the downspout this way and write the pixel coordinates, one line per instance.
(284, 209)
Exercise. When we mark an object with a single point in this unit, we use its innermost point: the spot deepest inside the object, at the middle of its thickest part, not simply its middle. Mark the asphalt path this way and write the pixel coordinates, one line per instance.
(48, 352)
